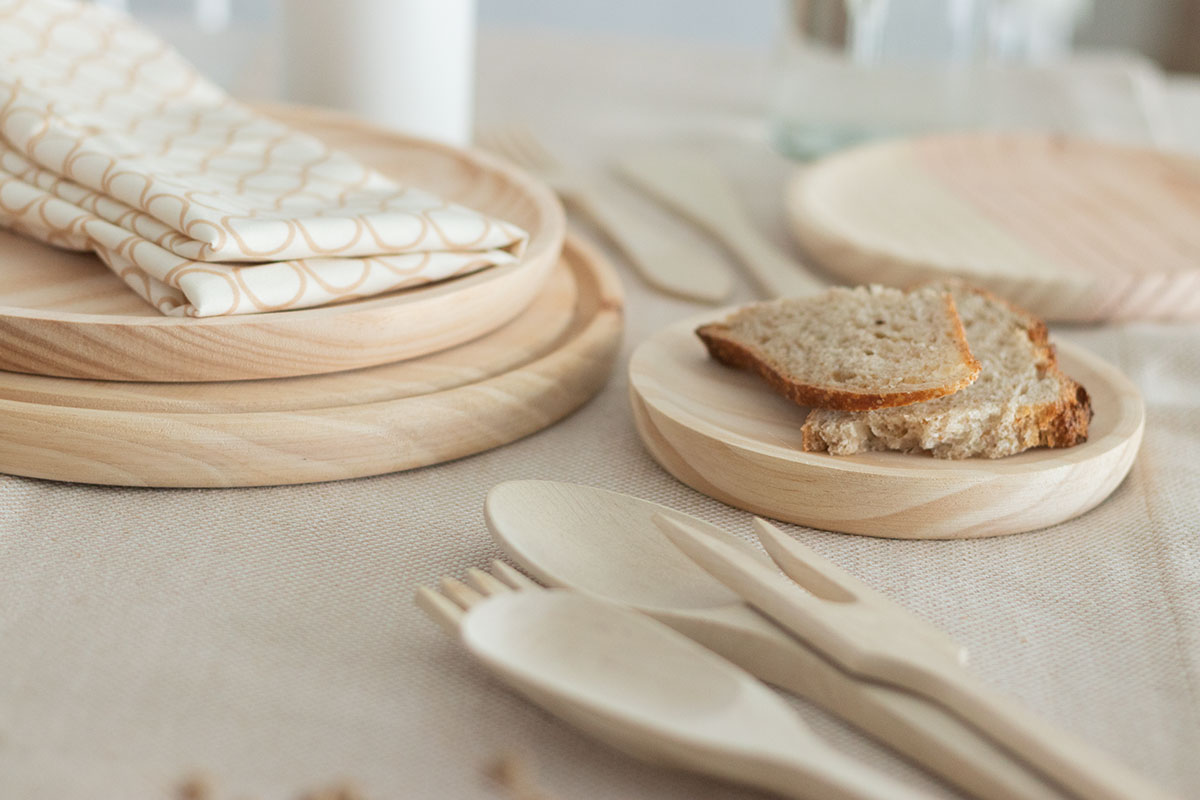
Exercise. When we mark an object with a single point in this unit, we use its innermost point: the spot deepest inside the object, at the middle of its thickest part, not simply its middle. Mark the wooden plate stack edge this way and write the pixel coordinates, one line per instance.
(65, 314)
(96, 386)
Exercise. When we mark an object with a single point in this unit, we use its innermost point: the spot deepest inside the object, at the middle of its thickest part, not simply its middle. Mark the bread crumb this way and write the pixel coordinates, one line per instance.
(200, 787)
(196, 787)
(515, 775)
(345, 790)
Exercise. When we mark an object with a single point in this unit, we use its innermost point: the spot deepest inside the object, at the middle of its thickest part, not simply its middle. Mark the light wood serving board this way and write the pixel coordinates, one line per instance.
(66, 314)
(1073, 230)
(522, 377)
(722, 432)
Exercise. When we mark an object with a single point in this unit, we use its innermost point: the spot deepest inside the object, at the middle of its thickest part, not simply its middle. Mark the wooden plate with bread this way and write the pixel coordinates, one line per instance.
(1036, 435)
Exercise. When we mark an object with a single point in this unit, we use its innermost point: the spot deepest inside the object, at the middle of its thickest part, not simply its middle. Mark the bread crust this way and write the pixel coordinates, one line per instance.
(1065, 423)
(1062, 423)
(732, 353)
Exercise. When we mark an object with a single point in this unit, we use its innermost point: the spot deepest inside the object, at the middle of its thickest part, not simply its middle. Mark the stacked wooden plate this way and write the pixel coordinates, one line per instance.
(98, 387)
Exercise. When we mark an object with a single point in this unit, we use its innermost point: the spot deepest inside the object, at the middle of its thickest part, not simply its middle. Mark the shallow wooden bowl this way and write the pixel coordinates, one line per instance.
(66, 314)
(722, 432)
(1073, 230)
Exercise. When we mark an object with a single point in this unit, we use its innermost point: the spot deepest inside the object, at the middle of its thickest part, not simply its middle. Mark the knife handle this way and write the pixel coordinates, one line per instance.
(1075, 766)
(668, 262)
(918, 729)
(838, 777)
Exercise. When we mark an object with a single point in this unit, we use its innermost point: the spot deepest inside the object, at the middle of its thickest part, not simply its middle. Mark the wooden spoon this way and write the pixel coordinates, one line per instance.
(650, 692)
(606, 544)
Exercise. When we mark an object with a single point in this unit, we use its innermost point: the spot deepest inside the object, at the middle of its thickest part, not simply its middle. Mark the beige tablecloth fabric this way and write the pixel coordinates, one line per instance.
(267, 635)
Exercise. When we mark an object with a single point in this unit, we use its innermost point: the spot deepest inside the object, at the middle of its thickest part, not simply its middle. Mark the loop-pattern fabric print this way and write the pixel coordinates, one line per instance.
(111, 142)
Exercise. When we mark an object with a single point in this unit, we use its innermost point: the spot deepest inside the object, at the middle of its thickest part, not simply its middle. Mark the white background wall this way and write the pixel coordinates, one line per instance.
(1150, 26)
(744, 22)
(1168, 30)
(1147, 25)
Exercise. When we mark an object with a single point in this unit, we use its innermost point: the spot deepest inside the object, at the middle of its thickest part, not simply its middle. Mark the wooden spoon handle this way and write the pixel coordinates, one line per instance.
(1070, 763)
(827, 774)
(924, 732)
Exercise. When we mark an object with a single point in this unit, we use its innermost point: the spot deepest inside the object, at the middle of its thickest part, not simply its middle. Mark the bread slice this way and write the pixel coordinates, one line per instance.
(850, 349)
(1020, 400)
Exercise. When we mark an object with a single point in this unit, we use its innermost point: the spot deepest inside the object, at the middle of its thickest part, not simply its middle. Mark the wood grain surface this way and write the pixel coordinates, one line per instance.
(524, 376)
(876, 639)
(610, 546)
(721, 432)
(1073, 230)
(648, 690)
(66, 314)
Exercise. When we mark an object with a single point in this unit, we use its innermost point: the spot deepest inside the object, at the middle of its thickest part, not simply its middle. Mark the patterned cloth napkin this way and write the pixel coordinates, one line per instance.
(111, 142)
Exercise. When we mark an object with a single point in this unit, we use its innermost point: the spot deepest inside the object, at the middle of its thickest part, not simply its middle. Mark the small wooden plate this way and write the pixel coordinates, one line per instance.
(1073, 230)
(488, 392)
(723, 433)
(66, 314)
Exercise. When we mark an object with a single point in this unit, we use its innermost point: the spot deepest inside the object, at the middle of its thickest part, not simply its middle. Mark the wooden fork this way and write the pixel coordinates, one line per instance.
(668, 262)
(877, 639)
(644, 688)
(457, 597)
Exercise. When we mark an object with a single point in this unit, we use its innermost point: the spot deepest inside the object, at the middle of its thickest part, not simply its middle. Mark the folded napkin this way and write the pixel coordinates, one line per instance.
(111, 142)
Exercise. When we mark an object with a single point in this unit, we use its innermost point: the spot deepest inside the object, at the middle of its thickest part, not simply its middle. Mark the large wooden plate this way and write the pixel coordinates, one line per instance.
(720, 431)
(1073, 230)
(488, 392)
(66, 314)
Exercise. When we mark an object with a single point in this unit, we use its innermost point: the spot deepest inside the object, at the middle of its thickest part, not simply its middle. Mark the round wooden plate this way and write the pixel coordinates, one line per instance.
(723, 433)
(1073, 230)
(66, 314)
(522, 377)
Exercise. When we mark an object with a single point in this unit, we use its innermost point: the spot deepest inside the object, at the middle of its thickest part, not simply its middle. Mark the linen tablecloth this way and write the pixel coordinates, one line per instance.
(267, 637)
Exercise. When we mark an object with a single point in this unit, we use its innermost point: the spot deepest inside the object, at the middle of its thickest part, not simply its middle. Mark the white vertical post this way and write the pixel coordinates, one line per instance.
(213, 16)
(407, 64)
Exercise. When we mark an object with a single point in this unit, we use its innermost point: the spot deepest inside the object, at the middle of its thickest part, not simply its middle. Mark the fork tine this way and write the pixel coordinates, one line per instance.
(484, 583)
(513, 143)
(520, 145)
(534, 147)
(503, 142)
(439, 609)
(512, 577)
(806, 567)
(827, 580)
(490, 140)
(460, 593)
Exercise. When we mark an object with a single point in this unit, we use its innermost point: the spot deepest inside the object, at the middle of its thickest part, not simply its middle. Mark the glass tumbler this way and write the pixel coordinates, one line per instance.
(851, 70)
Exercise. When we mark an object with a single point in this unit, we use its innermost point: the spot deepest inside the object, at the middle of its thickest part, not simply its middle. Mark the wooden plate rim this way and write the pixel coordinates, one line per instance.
(596, 331)
(1090, 298)
(1130, 419)
(543, 244)
(1126, 424)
